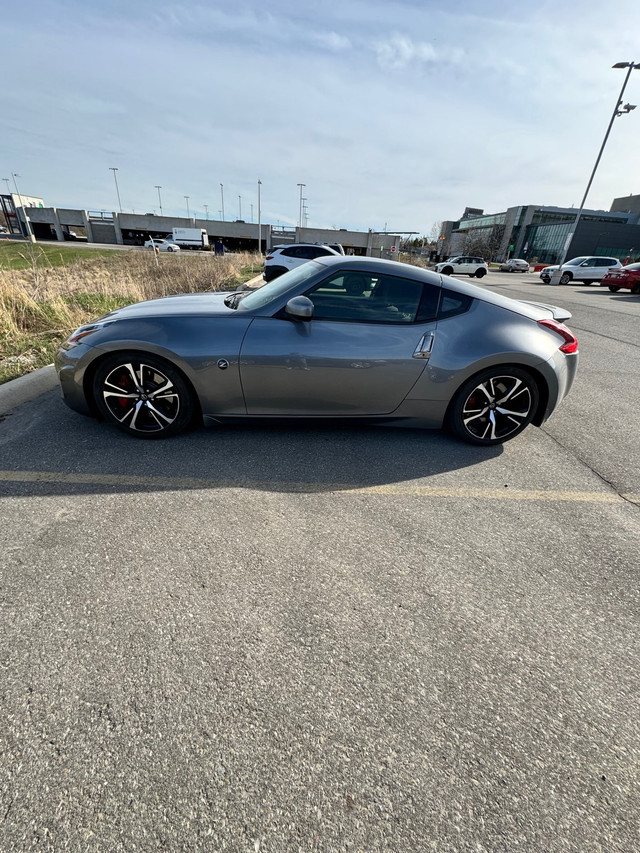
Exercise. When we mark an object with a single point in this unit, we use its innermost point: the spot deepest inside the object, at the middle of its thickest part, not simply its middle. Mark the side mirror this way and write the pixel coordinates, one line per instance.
(300, 308)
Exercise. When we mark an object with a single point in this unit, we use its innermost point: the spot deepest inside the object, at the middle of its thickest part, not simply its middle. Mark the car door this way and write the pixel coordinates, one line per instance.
(362, 352)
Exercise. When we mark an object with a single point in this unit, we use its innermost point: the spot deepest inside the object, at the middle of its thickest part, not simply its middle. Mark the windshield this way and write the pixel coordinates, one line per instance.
(288, 281)
(575, 262)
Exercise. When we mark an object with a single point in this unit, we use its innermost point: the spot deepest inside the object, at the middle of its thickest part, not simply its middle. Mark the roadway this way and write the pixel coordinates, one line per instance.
(286, 639)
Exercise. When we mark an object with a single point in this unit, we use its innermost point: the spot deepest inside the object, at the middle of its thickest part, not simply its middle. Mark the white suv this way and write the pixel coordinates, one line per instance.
(463, 265)
(586, 269)
(281, 259)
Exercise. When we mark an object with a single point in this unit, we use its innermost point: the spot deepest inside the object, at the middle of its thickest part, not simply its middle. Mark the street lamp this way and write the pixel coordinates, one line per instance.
(6, 180)
(618, 110)
(300, 214)
(222, 198)
(114, 169)
(187, 197)
(206, 209)
(159, 199)
(240, 206)
(24, 212)
(259, 221)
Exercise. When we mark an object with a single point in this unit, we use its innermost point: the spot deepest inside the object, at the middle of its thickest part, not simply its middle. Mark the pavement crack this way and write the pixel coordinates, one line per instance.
(590, 467)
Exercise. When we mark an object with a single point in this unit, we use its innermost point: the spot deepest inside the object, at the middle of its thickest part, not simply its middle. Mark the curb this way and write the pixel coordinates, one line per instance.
(18, 391)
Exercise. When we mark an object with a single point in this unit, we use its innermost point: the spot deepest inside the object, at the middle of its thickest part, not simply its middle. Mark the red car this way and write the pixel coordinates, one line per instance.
(628, 278)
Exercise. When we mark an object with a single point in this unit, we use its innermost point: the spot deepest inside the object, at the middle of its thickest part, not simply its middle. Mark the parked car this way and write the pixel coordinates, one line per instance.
(463, 265)
(281, 259)
(337, 247)
(338, 337)
(162, 245)
(627, 278)
(515, 265)
(586, 268)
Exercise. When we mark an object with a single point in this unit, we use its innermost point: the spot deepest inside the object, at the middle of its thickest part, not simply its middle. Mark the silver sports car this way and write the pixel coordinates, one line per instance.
(337, 338)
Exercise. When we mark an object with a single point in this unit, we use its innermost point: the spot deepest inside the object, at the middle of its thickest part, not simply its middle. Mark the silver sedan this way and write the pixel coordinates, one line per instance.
(337, 338)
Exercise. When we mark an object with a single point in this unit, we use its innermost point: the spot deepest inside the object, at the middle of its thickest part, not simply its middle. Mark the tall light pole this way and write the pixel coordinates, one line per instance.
(114, 169)
(187, 197)
(240, 207)
(6, 180)
(259, 221)
(222, 199)
(300, 214)
(618, 110)
(206, 209)
(24, 212)
(251, 220)
(159, 199)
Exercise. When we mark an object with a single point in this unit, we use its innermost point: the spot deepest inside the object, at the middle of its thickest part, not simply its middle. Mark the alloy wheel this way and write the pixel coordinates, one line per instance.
(497, 407)
(141, 397)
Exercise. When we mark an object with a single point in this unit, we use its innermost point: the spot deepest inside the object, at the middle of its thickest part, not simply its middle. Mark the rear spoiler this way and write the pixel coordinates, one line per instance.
(559, 314)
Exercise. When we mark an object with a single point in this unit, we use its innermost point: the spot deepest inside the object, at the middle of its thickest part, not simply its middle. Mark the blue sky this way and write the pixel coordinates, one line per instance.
(399, 113)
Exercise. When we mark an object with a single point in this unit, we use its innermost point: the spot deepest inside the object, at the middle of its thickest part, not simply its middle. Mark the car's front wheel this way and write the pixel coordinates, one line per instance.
(143, 395)
(447, 270)
(494, 406)
(614, 288)
(565, 278)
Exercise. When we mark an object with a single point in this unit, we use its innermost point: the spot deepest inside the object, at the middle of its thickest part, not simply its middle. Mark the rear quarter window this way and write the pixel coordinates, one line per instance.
(452, 304)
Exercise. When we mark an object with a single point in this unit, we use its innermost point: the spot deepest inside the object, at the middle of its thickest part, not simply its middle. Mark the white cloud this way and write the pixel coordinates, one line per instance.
(333, 41)
(399, 51)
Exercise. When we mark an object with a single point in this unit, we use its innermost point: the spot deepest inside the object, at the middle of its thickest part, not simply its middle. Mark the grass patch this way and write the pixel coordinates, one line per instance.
(41, 305)
(22, 255)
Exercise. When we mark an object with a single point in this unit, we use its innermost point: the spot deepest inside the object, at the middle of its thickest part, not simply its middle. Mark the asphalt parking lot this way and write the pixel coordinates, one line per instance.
(254, 639)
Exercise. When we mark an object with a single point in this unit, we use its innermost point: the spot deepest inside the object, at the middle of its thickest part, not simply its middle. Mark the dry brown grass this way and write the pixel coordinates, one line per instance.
(39, 307)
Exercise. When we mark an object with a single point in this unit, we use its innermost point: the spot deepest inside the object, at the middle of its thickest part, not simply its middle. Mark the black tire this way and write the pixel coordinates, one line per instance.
(636, 289)
(614, 288)
(472, 417)
(447, 271)
(545, 279)
(169, 249)
(156, 400)
(481, 272)
(565, 278)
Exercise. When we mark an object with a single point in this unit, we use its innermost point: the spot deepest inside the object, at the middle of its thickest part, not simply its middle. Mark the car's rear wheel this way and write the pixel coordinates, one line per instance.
(447, 270)
(481, 272)
(636, 289)
(143, 395)
(565, 278)
(614, 288)
(494, 406)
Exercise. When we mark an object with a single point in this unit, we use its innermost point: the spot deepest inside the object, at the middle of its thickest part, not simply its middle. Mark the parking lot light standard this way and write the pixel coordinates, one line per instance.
(114, 169)
(24, 212)
(618, 110)
(159, 199)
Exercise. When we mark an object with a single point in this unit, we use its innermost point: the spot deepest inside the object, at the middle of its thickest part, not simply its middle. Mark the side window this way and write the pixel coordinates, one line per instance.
(318, 251)
(452, 303)
(361, 297)
(290, 253)
(591, 262)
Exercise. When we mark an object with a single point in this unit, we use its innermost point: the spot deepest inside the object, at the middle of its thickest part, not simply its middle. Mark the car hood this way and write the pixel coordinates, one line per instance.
(184, 304)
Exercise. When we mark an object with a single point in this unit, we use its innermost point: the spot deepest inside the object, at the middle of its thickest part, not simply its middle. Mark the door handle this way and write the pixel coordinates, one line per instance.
(425, 345)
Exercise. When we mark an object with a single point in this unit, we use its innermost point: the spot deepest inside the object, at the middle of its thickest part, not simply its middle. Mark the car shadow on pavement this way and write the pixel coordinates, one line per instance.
(47, 449)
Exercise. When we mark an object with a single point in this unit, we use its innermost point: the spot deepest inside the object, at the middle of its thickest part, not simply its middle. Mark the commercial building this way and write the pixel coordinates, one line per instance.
(132, 229)
(541, 233)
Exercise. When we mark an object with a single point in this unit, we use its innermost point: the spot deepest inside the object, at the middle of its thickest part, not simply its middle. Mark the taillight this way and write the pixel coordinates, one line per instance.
(570, 341)
(269, 258)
